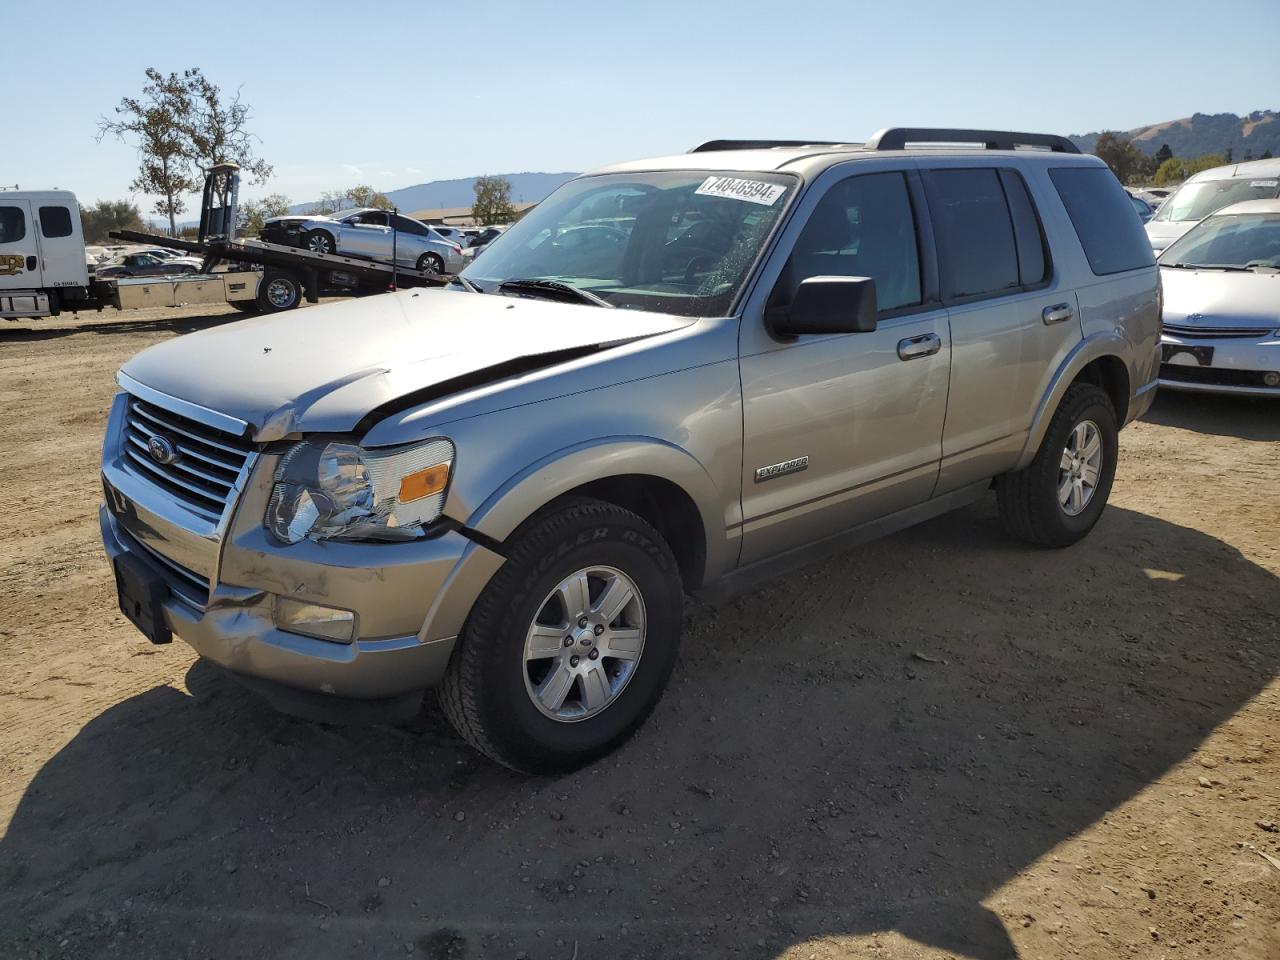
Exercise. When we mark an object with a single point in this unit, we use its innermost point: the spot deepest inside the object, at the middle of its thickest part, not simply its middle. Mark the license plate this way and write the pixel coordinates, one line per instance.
(1186, 356)
(141, 595)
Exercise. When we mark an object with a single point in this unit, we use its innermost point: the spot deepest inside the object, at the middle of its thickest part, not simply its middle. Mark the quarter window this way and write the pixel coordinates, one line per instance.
(1033, 265)
(1112, 237)
(862, 227)
(13, 224)
(974, 229)
(55, 222)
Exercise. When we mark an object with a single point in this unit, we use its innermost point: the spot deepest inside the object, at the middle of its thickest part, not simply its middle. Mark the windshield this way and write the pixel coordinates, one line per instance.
(1195, 201)
(675, 241)
(343, 214)
(1232, 242)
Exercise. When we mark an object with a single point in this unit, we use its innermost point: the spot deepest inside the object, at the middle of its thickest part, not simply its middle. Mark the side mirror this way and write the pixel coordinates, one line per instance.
(825, 305)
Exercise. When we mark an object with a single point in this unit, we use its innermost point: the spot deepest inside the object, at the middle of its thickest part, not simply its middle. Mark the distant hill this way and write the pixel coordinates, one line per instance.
(1202, 133)
(525, 187)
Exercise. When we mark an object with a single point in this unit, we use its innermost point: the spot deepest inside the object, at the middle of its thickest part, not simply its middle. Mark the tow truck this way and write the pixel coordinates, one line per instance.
(44, 270)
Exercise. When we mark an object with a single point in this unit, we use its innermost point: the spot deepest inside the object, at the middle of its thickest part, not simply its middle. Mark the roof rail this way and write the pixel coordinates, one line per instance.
(897, 138)
(714, 145)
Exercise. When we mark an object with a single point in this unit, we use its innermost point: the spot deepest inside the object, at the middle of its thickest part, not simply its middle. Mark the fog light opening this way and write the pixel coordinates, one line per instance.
(315, 620)
(1271, 378)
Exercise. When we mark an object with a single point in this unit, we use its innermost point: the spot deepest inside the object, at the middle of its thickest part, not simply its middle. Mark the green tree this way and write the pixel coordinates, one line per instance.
(107, 215)
(361, 195)
(1126, 161)
(1163, 154)
(493, 201)
(1176, 169)
(153, 123)
(254, 213)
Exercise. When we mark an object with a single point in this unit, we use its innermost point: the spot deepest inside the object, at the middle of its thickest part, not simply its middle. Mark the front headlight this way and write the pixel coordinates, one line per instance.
(326, 490)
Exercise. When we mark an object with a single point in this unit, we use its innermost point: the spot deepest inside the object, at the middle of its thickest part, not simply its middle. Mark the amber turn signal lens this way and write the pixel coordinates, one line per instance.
(423, 483)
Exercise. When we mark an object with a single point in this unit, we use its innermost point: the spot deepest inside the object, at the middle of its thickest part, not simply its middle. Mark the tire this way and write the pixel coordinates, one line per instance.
(432, 262)
(1031, 500)
(278, 291)
(319, 241)
(489, 689)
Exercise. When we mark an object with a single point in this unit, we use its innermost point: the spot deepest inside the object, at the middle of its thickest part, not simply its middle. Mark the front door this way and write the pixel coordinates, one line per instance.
(19, 248)
(843, 429)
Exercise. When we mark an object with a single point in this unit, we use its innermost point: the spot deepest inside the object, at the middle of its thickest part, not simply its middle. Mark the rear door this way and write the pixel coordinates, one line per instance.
(19, 248)
(842, 429)
(62, 258)
(1012, 320)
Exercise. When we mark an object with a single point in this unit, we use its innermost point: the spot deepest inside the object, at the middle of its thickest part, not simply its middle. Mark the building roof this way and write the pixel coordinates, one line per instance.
(457, 216)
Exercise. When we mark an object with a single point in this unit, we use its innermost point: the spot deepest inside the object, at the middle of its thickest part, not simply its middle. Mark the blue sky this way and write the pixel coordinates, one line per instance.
(397, 93)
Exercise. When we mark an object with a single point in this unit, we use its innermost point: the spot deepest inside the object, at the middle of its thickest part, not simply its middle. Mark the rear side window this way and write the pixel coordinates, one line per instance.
(976, 248)
(55, 221)
(13, 224)
(1033, 264)
(1112, 237)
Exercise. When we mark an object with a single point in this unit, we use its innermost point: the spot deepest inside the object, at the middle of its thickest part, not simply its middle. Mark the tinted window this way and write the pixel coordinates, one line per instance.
(13, 224)
(55, 221)
(405, 225)
(975, 233)
(863, 227)
(1033, 265)
(1112, 237)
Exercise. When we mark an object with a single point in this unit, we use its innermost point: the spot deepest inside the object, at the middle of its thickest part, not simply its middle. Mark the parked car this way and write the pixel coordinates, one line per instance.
(681, 374)
(1222, 303)
(146, 265)
(1210, 191)
(482, 239)
(453, 234)
(1141, 207)
(368, 234)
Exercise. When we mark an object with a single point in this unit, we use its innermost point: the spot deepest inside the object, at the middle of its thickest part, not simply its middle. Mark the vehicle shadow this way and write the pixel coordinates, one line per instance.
(1246, 418)
(60, 327)
(877, 743)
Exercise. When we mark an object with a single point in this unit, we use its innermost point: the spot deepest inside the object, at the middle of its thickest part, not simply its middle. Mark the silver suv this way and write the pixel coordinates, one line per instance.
(673, 375)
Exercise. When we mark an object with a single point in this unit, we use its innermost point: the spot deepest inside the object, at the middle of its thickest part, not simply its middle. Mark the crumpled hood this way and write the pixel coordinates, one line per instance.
(1218, 298)
(324, 368)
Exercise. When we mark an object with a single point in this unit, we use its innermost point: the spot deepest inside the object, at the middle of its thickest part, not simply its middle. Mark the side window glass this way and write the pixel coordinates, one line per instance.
(976, 250)
(1112, 237)
(863, 227)
(13, 224)
(1033, 264)
(55, 221)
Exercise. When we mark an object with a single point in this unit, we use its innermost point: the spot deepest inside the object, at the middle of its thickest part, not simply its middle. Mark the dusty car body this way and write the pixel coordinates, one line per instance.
(369, 233)
(1222, 303)
(680, 374)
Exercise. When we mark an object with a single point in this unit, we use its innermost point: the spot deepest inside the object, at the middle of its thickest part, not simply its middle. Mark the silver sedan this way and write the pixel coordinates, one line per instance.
(369, 234)
(1222, 303)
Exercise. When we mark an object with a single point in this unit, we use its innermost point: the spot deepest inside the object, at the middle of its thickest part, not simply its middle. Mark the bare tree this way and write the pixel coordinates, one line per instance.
(154, 124)
(254, 213)
(361, 195)
(214, 128)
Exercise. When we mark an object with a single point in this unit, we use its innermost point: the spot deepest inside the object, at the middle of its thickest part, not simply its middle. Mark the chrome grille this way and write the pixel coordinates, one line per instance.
(209, 460)
(1215, 333)
(187, 584)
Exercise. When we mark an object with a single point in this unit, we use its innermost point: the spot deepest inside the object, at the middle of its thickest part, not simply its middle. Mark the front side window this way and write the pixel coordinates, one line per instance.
(55, 221)
(671, 241)
(1246, 241)
(13, 224)
(1195, 201)
(862, 227)
(977, 253)
(1112, 237)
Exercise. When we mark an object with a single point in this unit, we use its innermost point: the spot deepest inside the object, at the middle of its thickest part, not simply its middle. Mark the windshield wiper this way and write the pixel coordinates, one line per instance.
(471, 287)
(558, 289)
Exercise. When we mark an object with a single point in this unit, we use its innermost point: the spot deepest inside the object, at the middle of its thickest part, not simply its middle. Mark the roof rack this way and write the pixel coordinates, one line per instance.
(714, 145)
(897, 138)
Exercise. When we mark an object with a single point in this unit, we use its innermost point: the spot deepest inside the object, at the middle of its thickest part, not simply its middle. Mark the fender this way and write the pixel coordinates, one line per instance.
(1103, 344)
(571, 467)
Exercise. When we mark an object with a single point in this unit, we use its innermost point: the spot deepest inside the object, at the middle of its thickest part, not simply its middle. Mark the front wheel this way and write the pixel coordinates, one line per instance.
(571, 644)
(1060, 495)
(319, 241)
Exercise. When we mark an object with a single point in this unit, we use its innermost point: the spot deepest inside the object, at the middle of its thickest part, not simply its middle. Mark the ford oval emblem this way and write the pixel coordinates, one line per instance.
(162, 449)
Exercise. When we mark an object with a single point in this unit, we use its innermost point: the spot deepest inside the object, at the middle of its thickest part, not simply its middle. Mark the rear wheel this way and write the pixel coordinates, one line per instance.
(571, 644)
(278, 291)
(1060, 495)
(432, 262)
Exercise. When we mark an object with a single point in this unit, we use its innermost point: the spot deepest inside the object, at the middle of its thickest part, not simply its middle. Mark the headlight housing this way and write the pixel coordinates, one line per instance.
(329, 490)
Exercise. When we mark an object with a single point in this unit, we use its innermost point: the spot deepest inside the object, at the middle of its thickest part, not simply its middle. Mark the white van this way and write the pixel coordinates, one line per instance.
(1208, 192)
(42, 259)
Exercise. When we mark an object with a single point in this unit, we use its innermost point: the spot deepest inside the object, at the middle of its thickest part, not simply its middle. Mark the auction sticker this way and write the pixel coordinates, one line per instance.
(1264, 183)
(752, 191)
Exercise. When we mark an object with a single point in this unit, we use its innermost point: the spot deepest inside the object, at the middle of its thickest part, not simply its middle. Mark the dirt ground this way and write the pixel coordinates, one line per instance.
(943, 745)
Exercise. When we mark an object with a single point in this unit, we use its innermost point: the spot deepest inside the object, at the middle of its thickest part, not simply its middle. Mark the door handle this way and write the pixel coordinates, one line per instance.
(913, 348)
(1057, 313)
